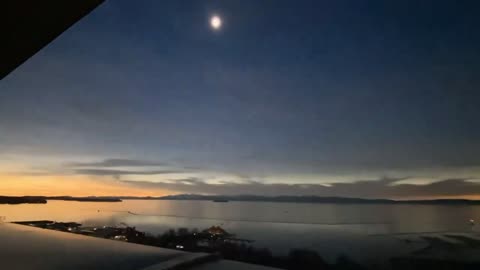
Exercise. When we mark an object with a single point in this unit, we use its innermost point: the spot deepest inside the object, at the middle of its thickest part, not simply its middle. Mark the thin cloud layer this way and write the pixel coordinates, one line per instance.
(116, 162)
(118, 167)
(103, 172)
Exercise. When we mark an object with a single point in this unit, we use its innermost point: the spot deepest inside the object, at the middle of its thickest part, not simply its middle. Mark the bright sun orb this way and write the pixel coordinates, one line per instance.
(216, 22)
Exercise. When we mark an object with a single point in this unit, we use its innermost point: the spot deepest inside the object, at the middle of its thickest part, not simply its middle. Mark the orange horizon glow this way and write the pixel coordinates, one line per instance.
(81, 186)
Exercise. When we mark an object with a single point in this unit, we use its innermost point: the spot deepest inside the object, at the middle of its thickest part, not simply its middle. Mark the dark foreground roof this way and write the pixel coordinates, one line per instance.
(25, 247)
(29, 25)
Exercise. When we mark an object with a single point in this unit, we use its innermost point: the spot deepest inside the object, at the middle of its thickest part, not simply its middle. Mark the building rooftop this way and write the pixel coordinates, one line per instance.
(26, 247)
(30, 25)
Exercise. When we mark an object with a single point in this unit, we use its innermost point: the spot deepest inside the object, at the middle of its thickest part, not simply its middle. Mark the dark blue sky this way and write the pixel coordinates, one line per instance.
(285, 92)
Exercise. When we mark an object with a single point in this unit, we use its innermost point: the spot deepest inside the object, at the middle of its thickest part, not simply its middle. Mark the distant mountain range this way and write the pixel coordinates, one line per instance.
(303, 199)
(238, 198)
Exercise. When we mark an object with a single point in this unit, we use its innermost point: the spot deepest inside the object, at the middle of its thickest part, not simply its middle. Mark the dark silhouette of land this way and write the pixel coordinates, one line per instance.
(20, 200)
(303, 199)
(44, 199)
(238, 198)
(438, 253)
(85, 199)
(214, 240)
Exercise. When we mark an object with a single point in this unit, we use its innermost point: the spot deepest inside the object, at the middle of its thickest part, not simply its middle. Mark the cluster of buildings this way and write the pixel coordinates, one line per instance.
(209, 239)
(124, 233)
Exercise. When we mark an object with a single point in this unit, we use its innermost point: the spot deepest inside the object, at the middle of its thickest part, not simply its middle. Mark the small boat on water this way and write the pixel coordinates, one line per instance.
(220, 200)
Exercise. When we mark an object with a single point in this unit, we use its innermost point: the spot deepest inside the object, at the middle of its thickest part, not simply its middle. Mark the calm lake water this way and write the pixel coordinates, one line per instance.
(331, 229)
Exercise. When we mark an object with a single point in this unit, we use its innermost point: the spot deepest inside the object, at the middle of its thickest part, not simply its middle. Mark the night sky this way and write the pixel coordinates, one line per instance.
(338, 98)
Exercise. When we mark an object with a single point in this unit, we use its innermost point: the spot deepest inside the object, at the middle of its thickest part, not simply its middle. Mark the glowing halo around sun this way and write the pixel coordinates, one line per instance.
(216, 22)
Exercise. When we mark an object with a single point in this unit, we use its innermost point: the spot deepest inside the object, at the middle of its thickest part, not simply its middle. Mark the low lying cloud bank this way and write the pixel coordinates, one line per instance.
(132, 173)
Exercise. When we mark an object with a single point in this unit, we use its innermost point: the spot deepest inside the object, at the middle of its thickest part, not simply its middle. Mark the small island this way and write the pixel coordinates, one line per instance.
(84, 199)
(43, 199)
(20, 200)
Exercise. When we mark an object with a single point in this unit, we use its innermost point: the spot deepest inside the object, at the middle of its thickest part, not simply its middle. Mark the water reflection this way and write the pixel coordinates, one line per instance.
(329, 228)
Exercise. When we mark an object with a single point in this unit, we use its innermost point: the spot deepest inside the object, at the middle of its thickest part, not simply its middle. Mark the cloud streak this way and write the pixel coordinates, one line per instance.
(117, 167)
(106, 172)
(116, 162)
